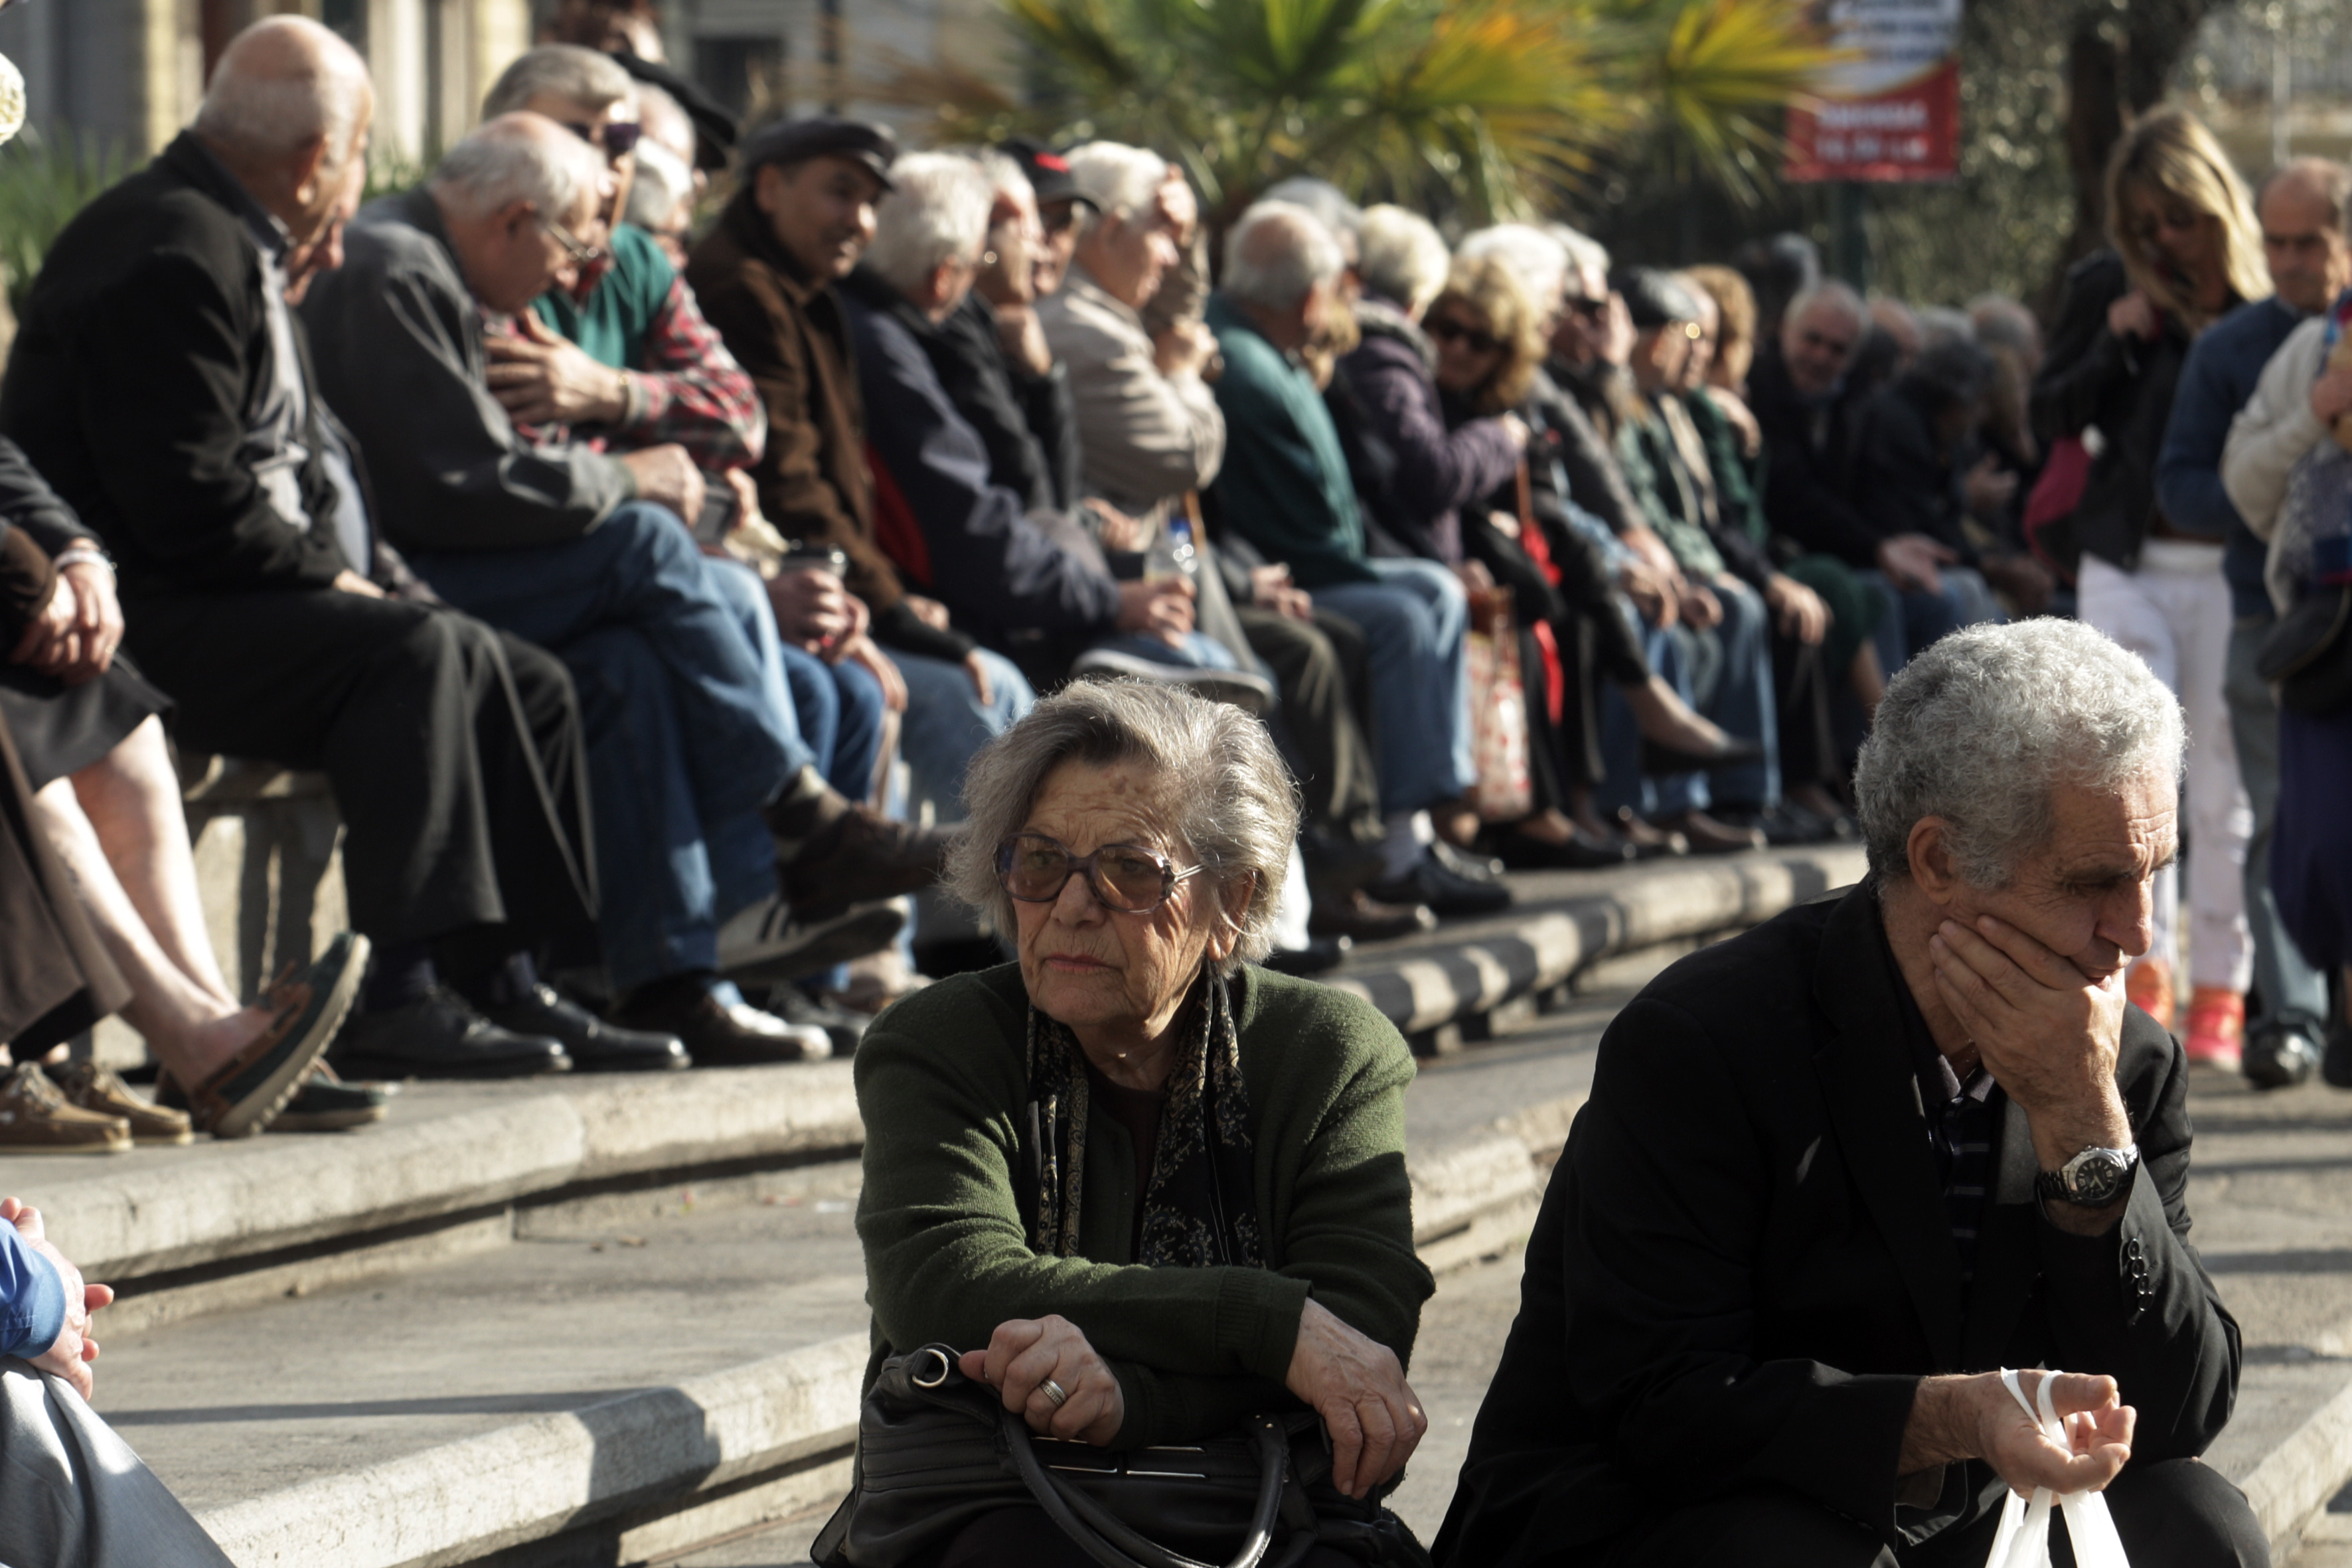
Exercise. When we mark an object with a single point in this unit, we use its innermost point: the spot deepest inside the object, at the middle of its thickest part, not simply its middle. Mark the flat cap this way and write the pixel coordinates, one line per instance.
(1653, 298)
(822, 136)
(1048, 171)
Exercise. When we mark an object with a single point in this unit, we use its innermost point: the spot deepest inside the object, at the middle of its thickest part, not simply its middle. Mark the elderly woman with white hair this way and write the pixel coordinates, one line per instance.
(1838, 1171)
(1145, 1186)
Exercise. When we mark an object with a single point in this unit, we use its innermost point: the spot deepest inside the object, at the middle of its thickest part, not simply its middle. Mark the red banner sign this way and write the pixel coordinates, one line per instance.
(1893, 112)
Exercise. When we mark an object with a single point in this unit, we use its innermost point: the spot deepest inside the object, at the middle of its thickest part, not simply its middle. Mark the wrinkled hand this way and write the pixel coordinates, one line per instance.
(1699, 605)
(1025, 1352)
(1741, 418)
(1617, 334)
(1023, 337)
(1181, 207)
(982, 687)
(2098, 1433)
(1798, 611)
(1114, 528)
(1161, 608)
(70, 1357)
(2048, 1033)
(814, 612)
(1988, 487)
(1909, 561)
(2331, 395)
(667, 476)
(51, 642)
(1272, 589)
(861, 649)
(541, 377)
(1652, 592)
(98, 622)
(1183, 349)
(1357, 1386)
(2133, 316)
(931, 612)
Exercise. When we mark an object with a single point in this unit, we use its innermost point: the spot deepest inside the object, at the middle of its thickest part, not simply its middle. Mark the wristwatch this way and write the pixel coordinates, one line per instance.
(2092, 1179)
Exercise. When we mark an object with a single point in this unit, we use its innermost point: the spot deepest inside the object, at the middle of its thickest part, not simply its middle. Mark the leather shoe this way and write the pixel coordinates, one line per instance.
(1659, 760)
(1709, 837)
(1430, 882)
(860, 857)
(842, 1027)
(1468, 863)
(593, 1045)
(2278, 1056)
(724, 1034)
(1582, 852)
(438, 1035)
(1650, 842)
(1321, 955)
(1359, 917)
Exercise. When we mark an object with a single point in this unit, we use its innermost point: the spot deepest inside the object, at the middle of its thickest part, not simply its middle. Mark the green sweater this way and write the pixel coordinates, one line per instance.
(941, 1086)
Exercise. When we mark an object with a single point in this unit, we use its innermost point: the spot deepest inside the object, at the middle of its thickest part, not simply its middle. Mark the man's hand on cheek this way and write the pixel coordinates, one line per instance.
(2048, 1035)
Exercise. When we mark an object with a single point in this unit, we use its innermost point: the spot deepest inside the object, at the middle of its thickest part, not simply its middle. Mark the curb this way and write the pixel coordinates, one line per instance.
(2297, 1477)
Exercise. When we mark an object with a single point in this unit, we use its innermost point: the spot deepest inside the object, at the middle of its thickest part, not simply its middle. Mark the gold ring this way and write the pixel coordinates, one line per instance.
(1054, 1390)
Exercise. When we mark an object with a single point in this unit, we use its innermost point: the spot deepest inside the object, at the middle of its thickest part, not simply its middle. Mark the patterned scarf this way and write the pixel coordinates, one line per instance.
(1198, 1211)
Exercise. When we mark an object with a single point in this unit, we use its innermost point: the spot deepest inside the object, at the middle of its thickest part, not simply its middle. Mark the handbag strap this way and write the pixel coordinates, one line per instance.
(1106, 1539)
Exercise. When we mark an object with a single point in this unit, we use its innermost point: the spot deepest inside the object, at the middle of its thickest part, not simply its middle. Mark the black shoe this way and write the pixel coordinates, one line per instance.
(723, 1034)
(1659, 760)
(1582, 852)
(2278, 1056)
(842, 1027)
(440, 1037)
(1337, 866)
(1429, 882)
(327, 1104)
(1784, 826)
(1321, 955)
(1359, 917)
(593, 1045)
(1468, 863)
(2335, 1062)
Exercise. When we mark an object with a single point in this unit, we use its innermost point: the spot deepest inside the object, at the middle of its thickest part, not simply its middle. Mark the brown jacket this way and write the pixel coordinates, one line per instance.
(787, 332)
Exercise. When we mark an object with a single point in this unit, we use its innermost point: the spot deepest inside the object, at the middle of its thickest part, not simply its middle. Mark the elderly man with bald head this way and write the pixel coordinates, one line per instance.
(702, 786)
(162, 384)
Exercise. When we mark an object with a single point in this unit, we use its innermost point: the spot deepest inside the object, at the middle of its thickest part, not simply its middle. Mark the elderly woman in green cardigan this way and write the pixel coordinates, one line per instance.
(1147, 1189)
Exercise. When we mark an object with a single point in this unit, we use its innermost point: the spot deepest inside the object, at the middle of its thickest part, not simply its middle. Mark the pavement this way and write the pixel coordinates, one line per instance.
(621, 1320)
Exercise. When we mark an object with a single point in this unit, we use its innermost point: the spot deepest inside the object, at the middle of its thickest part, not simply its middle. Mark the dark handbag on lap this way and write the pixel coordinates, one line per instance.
(2308, 654)
(937, 1450)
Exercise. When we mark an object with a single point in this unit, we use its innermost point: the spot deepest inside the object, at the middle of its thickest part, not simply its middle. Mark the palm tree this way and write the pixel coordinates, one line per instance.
(1477, 106)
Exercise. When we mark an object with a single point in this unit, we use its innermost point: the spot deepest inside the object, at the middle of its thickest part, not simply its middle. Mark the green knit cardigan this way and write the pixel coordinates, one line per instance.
(943, 1093)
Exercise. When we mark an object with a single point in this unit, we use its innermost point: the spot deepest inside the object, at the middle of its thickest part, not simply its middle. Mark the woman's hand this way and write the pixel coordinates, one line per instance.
(2134, 316)
(98, 620)
(1024, 1354)
(48, 644)
(1357, 1386)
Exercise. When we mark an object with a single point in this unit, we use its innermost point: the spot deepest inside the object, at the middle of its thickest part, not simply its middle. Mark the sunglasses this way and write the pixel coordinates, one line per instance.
(1127, 878)
(1451, 332)
(580, 251)
(619, 138)
(1591, 309)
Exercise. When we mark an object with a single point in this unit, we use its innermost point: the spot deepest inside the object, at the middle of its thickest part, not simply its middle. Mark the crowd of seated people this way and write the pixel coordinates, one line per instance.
(609, 545)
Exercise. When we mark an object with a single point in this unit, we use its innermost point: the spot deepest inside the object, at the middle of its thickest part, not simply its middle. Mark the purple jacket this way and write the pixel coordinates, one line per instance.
(1438, 471)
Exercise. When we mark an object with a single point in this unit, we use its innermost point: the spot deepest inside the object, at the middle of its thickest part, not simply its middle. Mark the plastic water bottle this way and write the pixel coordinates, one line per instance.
(1172, 554)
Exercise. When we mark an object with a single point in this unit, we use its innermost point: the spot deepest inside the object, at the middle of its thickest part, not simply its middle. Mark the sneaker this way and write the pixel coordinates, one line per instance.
(2279, 1055)
(765, 945)
(34, 1119)
(2217, 1025)
(2147, 985)
(94, 1088)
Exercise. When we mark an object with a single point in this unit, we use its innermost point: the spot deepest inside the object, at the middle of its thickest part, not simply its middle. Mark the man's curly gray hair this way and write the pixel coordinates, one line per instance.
(1229, 799)
(1981, 728)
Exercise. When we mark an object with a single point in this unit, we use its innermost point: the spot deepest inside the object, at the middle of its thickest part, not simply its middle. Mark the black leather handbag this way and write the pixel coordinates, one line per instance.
(2308, 654)
(936, 1450)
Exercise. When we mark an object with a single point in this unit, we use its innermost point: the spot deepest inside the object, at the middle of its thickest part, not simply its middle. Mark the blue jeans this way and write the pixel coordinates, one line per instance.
(685, 736)
(1964, 599)
(836, 709)
(1413, 621)
(2292, 994)
(1198, 652)
(1741, 697)
(947, 724)
(1662, 794)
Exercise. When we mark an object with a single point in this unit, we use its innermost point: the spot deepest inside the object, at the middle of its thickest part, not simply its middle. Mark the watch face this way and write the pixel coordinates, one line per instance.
(2095, 1176)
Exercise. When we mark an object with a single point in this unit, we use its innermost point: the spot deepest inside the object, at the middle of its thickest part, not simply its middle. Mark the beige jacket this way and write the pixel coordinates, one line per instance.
(2270, 434)
(1145, 439)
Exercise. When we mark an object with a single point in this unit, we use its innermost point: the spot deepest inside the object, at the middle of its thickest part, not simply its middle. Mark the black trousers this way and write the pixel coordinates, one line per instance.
(1024, 1537)
(2180, 1513)
(454, 752)
(1317, 726)
(55, 977)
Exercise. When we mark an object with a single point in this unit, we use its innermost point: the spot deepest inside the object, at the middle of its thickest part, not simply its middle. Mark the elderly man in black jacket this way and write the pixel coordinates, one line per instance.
(161, 385)
(1837, 1172)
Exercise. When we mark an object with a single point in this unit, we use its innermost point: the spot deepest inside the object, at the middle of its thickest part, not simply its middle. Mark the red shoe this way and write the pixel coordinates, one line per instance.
(2217, 1023)
(2147, 985)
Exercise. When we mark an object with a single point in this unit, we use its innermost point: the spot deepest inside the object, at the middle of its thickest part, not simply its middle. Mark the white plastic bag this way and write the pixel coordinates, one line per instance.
(2023, 1539)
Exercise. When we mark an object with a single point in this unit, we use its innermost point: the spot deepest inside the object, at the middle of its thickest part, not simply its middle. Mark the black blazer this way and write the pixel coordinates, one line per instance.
(1743, 1264)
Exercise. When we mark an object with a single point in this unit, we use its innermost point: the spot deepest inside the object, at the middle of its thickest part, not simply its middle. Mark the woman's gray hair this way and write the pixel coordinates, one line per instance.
(1400, 258)
(1231, 804)
(1539, 262)
(1278, 254)
(936, 212)
(559, 70)
(1982, 727)
(1121, 181)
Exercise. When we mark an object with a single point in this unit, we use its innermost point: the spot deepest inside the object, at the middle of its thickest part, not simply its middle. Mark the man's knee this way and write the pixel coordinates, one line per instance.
(2184, 1513)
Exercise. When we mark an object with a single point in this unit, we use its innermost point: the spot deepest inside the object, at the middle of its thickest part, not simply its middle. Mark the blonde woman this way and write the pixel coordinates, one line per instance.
(2186, 252)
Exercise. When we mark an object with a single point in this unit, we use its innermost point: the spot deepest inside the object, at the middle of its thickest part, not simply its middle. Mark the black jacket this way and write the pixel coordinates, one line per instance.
(1805, 496)
(2123, 387)
(1744, 1264)
(138, 369)
(1914, 483)
(1023, 420)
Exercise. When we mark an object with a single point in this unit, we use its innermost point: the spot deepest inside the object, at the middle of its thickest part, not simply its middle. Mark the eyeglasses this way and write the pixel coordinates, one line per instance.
(619, 138)
(1127, 878)
(1056, 217)
(581, 252)
(1452, 331)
